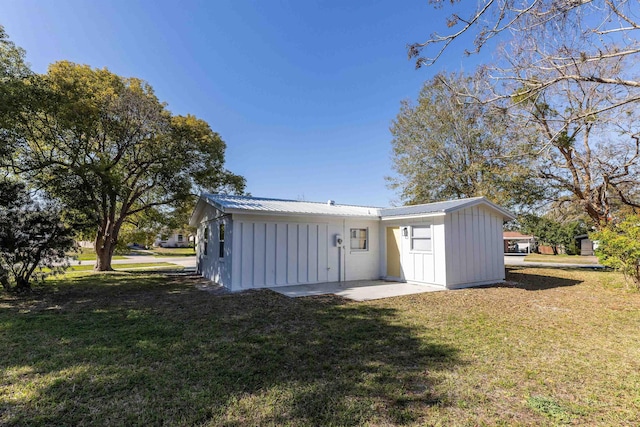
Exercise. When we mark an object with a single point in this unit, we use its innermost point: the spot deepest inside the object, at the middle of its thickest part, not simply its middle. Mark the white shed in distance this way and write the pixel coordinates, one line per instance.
(251, 242)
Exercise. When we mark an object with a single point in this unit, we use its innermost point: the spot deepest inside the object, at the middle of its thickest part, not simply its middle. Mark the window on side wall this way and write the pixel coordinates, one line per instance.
(359, 239)
(205, 239)
(221, 229)
(421, 238)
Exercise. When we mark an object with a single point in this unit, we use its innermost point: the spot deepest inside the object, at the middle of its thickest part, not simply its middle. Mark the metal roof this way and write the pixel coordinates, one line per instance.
(229, 204)
(260, 205)
(432, 209)
(427, 208)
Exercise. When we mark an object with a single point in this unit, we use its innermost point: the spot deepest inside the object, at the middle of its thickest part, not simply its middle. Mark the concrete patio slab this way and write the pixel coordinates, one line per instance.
(357, 290)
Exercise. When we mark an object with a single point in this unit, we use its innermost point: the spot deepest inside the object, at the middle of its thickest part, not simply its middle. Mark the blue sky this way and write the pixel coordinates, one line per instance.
(302, 92)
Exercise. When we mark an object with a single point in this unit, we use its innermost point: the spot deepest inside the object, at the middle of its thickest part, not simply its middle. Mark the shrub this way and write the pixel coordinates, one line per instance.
(619, 247)
(32, 236)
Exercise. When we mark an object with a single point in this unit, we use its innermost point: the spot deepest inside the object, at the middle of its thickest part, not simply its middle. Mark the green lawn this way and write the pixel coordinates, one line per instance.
(88, 254)
(559, 348)
(129, 266)
(173, 252)
(561, 258)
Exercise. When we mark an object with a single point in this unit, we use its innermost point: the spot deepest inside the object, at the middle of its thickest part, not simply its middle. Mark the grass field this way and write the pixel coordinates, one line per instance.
(173, 252)
(87, 254)
(560, 347)
(561, 258)
(130, 266)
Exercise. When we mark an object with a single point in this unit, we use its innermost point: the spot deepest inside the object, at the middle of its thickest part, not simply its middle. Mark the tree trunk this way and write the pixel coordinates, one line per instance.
(104, 247)
(22, 285)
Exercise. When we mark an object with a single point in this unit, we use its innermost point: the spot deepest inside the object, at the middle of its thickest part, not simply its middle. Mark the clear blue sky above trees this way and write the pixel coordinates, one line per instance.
(303, 92)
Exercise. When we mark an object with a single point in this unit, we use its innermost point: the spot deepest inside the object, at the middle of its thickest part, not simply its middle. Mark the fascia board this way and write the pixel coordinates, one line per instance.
(282, 214)
(482, 201)
(429, 215)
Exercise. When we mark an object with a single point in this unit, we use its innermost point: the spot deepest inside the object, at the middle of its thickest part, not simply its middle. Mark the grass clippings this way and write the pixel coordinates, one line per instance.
(556, 347)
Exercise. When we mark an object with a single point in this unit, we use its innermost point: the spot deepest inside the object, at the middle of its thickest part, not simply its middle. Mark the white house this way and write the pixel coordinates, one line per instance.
(248, 242)
(173, 240)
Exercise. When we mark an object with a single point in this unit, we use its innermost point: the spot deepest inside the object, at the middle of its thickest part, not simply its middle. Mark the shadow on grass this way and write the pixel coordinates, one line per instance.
(525, 279)
(141, 349)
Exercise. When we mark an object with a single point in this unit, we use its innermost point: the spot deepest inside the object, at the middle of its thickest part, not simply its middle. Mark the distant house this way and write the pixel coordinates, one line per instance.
(174, 240)
(518, 243)
(249, 242)
(586, 245)
(85, 244)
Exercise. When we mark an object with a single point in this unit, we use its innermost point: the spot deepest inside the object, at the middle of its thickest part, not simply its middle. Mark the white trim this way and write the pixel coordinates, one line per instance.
(414, 216)
(280, 213)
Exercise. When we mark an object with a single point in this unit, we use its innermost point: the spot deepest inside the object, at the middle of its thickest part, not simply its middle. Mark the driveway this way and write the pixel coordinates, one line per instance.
(357, 290)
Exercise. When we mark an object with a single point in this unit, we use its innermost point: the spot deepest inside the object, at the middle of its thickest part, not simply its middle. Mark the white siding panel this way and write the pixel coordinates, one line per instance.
(468, 247)
(499, 248)
(484, 257)
(473, 242)
(292, 253)
(246, 263)
(488, 244)
(281, 254)
(437, 272)
(271, 246)
(323, 253)
(260, 254)
(481, 259)
(312, 262)
(454, 265)
(303, 253)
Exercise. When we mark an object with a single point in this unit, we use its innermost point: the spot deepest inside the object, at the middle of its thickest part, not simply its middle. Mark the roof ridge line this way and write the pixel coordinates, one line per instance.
(290, 200)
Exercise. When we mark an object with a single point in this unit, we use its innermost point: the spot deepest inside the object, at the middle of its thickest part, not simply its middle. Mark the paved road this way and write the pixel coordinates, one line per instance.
(519, 260)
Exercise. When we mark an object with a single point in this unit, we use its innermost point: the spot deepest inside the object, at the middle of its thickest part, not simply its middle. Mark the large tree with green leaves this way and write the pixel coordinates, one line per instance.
(448, 146)
(108, 149)
(13, 73)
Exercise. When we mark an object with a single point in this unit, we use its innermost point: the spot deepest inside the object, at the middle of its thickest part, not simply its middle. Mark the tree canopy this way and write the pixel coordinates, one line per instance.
(448, 146)
(567, 71)
(108, 149)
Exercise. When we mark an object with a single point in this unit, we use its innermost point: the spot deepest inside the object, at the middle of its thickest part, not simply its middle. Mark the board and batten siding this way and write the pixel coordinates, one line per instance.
(474, 247)
(272, 251)
(278, 254)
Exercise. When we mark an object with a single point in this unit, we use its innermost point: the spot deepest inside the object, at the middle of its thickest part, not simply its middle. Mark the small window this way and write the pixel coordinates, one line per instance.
(205, 239)
(359, 239)
(421, 238)
(180, 238)
(221, 254)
